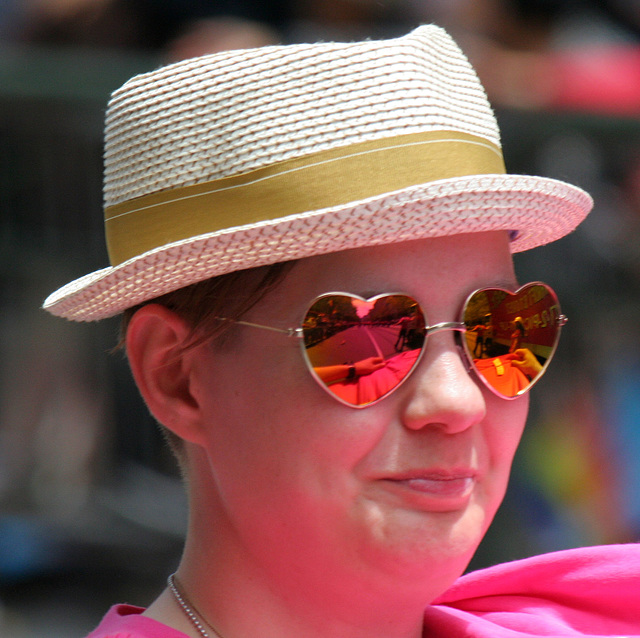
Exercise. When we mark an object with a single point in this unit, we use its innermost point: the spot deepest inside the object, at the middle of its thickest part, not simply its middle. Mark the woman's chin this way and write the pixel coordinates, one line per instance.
(419, 545)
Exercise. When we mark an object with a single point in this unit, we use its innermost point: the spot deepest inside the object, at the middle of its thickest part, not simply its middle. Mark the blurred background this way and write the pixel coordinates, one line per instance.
(91, 509)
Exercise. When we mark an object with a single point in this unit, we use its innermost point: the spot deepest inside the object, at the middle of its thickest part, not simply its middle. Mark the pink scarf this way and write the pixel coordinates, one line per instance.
(592, 591)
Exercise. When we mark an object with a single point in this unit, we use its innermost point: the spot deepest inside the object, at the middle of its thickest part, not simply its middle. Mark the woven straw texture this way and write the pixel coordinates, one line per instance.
(226, 114)
(239, 112)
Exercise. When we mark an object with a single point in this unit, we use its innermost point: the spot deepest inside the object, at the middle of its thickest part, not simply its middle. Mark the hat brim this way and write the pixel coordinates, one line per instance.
(535, 210)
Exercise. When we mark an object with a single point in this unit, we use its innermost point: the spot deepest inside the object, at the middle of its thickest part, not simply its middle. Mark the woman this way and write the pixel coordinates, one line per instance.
(274, 217)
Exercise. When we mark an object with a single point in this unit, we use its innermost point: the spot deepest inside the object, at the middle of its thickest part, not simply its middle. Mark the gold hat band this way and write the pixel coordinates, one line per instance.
(320, 180)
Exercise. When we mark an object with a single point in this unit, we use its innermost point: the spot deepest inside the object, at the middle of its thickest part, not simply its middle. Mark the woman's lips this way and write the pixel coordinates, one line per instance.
(440, 490)
(440, 486)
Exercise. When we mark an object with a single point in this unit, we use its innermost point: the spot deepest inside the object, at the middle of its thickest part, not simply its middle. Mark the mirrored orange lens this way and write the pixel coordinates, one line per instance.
(362, 349)
(511, 337)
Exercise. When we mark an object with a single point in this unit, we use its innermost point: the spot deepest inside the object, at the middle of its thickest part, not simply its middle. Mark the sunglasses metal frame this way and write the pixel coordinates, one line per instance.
(456, 326)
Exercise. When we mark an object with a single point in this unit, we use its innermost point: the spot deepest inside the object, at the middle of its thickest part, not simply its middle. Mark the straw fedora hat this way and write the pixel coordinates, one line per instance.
(253, 157)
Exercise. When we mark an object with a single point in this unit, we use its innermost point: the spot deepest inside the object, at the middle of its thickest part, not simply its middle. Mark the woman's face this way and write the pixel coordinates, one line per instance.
(403, 490)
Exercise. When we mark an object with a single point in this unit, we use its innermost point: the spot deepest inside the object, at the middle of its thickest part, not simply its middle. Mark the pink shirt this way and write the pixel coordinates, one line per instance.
(127, 621)
(592, 591)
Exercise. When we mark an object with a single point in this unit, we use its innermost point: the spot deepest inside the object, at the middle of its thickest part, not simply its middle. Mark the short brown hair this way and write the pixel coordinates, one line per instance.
(203, 303)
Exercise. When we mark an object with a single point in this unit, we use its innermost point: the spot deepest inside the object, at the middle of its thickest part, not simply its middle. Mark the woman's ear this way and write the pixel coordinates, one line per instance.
(157, 347)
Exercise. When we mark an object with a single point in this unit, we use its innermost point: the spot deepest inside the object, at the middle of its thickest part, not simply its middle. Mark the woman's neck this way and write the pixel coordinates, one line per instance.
(240, 599)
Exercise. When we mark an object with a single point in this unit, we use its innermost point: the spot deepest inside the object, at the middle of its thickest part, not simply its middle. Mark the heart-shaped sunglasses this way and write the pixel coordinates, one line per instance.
(360, 350)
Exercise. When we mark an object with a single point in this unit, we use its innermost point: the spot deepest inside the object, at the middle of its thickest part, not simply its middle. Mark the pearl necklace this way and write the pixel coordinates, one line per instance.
(196, 618)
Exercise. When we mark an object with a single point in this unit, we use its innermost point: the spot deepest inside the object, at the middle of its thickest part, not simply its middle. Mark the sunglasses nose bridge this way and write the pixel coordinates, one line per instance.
(450, 326)
(445, 325)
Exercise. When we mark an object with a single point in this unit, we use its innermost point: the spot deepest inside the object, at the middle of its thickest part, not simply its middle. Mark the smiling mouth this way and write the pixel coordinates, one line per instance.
(450, 486)
(438, 491)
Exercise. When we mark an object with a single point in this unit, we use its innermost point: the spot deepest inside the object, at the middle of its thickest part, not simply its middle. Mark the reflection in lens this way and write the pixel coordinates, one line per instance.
(510, 337)
(360, 350)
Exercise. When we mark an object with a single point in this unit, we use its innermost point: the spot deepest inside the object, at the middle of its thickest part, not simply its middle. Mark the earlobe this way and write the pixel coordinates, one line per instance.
(160, 361)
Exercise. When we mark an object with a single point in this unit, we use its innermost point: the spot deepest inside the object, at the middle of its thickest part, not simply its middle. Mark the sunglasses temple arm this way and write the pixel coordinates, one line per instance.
(290, 332)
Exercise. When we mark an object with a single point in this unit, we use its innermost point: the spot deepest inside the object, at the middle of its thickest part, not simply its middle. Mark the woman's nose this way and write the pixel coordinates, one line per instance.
(442, 393)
